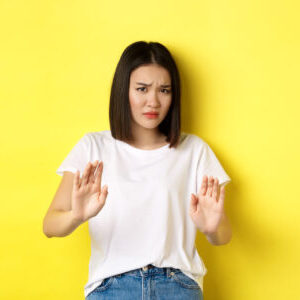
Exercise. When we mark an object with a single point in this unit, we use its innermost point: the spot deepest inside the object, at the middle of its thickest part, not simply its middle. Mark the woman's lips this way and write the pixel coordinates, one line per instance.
(151, 116)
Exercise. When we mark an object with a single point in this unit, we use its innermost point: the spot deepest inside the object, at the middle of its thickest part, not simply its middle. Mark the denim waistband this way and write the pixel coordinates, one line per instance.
(150, 270)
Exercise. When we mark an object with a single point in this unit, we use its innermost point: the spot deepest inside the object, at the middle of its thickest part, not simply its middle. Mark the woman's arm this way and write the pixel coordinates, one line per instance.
(60, 220)
(60, 223)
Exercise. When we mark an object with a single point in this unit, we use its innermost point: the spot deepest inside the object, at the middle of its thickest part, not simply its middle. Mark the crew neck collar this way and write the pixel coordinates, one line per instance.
(136, 150)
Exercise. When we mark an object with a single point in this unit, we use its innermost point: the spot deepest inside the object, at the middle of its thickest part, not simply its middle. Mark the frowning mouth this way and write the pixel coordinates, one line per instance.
(151, 115)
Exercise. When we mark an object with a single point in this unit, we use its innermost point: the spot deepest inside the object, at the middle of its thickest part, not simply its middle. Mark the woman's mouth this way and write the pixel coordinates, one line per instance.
(151, 116)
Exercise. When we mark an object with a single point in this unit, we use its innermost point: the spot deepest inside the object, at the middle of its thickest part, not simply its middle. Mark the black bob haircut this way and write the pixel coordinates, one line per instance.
(137, 54)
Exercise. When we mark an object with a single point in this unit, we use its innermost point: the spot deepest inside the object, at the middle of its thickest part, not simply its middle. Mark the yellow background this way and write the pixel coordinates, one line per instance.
(239, 64)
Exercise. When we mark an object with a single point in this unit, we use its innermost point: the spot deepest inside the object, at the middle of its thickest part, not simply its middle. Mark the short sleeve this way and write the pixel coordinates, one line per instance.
(77, 158)
(209, 165)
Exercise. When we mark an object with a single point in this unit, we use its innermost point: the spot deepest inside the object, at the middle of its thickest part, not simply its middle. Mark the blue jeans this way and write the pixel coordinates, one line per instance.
(148, 283)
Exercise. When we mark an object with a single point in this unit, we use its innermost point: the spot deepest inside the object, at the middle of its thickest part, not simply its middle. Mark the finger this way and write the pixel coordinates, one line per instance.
(222, 197)
(218, 196)
(215, 189)
(210, 186)
(76, 181)
(204, 185)
(92, 172)
(103, 195)
(99, 174)
(193, 204)
(86, 174)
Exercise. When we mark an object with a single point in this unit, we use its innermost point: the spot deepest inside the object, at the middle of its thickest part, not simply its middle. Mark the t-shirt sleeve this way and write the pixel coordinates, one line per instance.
(209, 165)
(77, 158)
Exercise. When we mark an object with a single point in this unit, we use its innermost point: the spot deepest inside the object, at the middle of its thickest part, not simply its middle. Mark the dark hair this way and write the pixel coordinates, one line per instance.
(135, 55)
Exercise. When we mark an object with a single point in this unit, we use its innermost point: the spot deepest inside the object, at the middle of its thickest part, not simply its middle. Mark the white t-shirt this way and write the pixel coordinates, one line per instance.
(145, 219)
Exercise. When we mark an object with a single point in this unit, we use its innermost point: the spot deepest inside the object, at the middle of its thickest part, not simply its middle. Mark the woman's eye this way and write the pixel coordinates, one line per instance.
(140, 88)
(165, 91)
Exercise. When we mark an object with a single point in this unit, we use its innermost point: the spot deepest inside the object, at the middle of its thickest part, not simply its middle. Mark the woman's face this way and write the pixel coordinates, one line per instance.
(149, 90)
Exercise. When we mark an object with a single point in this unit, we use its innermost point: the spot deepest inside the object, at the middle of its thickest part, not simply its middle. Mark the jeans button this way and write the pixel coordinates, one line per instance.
(145, 268)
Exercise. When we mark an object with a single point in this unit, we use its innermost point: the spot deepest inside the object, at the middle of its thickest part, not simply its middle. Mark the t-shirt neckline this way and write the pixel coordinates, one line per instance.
(142, 151)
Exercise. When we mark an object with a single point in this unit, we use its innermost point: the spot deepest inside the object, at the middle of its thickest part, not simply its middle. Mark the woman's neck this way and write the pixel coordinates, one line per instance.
(147, 139)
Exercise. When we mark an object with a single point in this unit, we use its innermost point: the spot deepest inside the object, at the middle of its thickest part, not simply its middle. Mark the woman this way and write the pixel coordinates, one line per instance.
(163, 185)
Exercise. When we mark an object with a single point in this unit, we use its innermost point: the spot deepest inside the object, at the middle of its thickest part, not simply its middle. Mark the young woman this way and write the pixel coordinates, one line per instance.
(163, 185)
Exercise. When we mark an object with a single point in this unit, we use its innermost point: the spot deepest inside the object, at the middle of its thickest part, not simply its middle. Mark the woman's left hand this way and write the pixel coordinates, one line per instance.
(207, 208)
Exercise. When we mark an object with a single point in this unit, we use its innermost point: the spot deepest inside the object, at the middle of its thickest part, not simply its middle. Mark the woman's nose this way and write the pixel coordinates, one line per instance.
(153, 98)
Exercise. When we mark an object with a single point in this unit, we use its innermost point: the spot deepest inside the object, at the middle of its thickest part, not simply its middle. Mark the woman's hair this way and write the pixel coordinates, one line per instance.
(135, 55)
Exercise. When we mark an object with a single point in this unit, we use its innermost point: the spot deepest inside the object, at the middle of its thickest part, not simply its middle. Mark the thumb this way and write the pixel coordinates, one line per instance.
(103, 194)
(193, 203)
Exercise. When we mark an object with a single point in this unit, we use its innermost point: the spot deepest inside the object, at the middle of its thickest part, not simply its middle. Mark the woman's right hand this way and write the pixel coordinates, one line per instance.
(87, 196)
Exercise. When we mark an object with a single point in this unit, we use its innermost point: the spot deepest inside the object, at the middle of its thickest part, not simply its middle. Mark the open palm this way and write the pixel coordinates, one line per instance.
(88, 197)
(207, 208)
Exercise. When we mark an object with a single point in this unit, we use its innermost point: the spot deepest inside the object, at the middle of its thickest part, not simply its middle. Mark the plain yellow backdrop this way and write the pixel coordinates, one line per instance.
(239, 64)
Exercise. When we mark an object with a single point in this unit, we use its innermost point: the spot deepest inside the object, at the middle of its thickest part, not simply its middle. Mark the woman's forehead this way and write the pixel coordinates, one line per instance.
(147, 73)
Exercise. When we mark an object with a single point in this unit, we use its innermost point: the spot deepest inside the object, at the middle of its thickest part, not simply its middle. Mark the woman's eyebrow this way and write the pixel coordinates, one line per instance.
(149, 84)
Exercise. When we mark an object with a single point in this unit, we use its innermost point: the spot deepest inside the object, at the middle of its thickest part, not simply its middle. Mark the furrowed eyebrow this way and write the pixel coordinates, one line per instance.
(145, 84)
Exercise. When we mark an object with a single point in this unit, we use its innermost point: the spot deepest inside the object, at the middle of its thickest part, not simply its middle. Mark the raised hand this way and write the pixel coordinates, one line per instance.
(207, 208)
(87, 196)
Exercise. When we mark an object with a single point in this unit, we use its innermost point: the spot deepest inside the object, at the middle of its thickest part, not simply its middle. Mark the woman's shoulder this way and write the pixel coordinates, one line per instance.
(193, 139)
(102, 134)
(100, 138)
